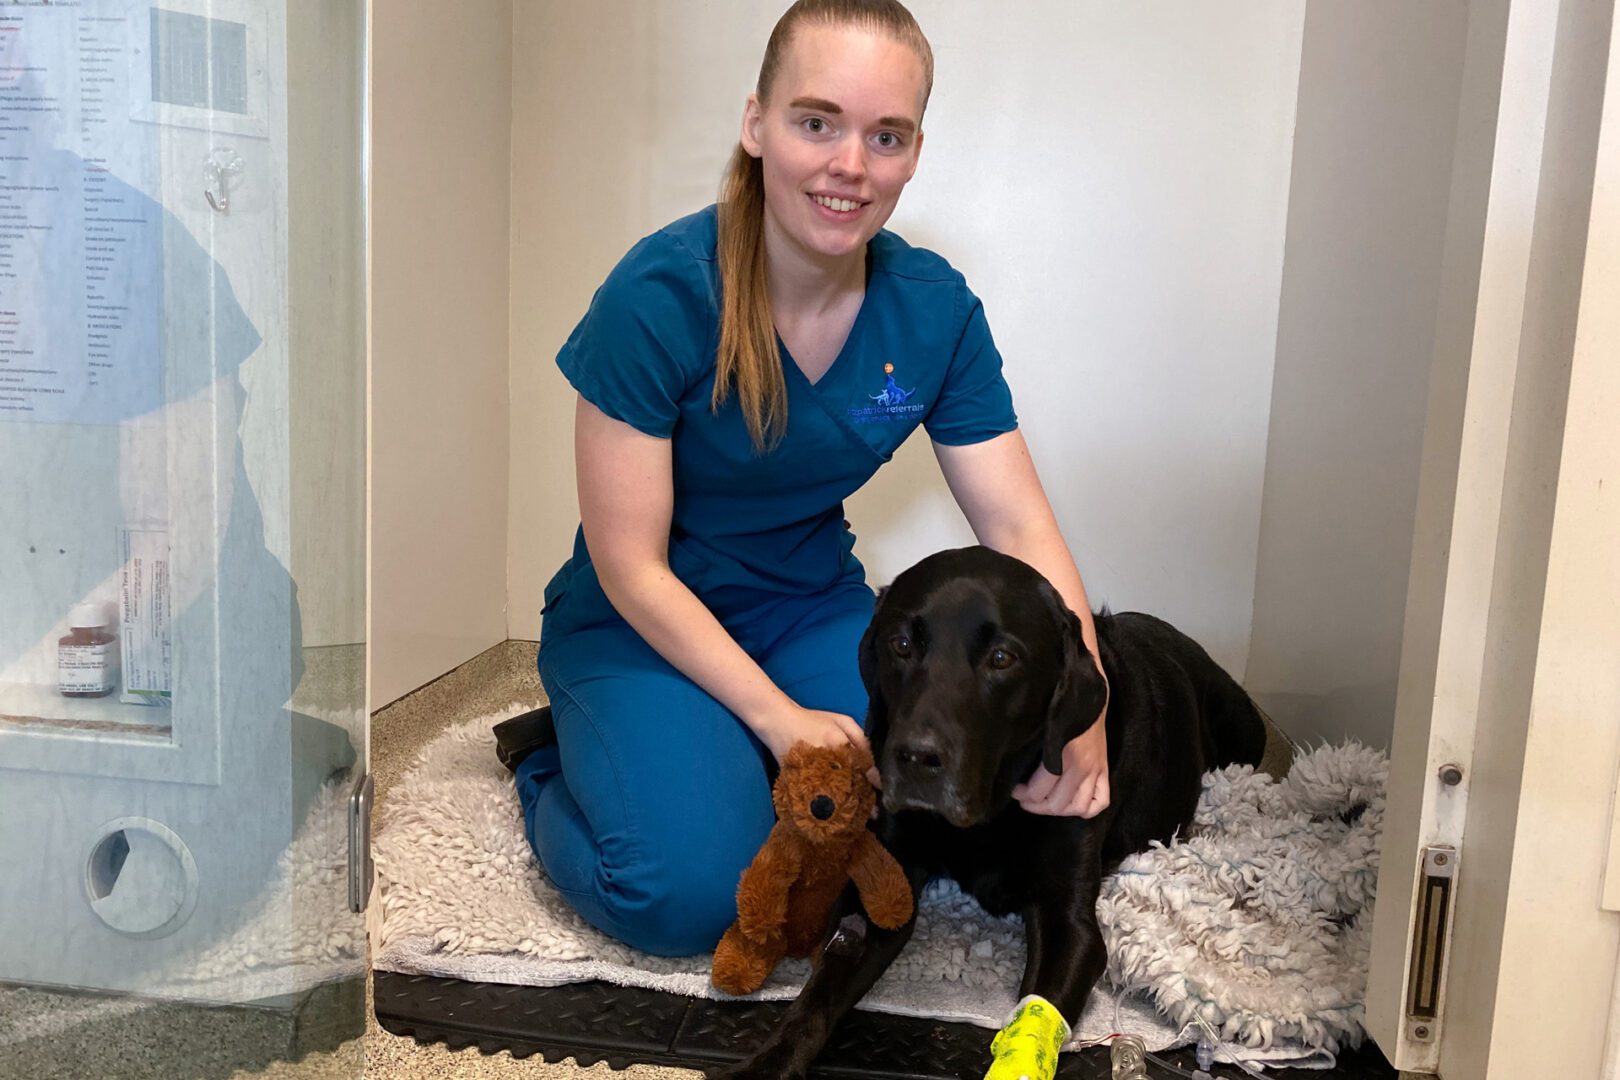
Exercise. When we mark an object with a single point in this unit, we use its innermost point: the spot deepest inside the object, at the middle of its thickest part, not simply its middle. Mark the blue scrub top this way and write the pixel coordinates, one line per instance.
(748, 527)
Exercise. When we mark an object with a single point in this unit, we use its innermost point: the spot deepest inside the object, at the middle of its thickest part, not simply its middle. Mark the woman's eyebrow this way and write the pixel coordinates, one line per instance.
(823, 105)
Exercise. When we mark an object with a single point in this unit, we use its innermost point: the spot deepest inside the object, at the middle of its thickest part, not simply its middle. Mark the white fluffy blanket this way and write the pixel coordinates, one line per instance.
(1260, 920)
(1256, 924)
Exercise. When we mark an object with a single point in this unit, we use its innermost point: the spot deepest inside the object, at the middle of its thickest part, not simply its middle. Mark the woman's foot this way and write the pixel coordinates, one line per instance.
(517, 738)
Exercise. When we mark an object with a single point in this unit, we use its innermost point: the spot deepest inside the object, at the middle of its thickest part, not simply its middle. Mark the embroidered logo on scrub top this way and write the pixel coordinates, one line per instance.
(893, 403)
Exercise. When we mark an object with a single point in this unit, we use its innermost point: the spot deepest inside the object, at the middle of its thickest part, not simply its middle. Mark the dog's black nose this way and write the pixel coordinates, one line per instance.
(822, 807)
(921, 755)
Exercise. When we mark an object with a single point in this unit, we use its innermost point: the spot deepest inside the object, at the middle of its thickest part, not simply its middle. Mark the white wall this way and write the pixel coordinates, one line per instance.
(623, 113)
(441, 130)
(1112, 180)
(1372, 171)
(326, 320)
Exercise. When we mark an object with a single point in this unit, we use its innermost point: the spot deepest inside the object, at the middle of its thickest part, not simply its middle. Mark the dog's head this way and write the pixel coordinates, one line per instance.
(976, 671)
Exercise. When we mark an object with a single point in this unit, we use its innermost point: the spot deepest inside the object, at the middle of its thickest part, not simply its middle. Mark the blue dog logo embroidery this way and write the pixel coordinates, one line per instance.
(893, 403)
(892, 394)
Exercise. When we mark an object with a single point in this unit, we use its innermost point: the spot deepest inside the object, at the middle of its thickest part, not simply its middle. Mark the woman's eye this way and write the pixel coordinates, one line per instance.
(815, 125)
(901, 645)
(1001, 659)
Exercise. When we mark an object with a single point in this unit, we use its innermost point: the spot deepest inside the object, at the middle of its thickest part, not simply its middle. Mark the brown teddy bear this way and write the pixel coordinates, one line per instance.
(823, 800)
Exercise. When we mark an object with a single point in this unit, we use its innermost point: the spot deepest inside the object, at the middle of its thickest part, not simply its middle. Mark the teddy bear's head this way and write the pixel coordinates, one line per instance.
(823, 791)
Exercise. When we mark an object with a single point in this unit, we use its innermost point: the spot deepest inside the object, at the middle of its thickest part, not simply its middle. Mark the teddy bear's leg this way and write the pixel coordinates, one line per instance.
(741, 964)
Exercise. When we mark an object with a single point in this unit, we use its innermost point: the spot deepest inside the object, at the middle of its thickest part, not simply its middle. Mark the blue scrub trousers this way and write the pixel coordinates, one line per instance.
(656, 797)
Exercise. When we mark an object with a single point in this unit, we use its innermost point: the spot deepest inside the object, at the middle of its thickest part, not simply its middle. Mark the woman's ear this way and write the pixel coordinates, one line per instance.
(1080, 692)
(753, 119)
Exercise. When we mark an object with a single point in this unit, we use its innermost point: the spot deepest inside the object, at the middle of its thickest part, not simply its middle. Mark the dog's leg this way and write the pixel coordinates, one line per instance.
(1065, 958)
(849, 964)
(1066, 954)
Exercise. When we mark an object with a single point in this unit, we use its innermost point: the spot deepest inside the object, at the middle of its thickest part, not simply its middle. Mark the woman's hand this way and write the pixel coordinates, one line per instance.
(795, 725)
(1082, 790)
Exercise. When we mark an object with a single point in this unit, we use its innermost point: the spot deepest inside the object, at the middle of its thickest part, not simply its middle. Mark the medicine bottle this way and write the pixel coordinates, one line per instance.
(87, 658)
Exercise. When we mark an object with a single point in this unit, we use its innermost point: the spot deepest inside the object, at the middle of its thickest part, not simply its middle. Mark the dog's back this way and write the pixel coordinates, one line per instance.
(1173, 714)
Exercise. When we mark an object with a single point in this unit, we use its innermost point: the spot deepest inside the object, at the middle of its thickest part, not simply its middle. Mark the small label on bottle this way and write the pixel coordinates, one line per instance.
(87, 668)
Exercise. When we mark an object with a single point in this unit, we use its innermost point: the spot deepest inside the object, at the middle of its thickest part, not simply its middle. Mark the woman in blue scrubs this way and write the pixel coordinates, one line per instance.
(740, 373)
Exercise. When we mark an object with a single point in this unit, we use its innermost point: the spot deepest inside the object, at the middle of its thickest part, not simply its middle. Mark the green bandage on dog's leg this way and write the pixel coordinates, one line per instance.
(1026, 1047)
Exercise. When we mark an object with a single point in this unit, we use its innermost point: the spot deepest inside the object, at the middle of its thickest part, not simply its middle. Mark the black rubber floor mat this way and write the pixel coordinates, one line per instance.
(592, 1022)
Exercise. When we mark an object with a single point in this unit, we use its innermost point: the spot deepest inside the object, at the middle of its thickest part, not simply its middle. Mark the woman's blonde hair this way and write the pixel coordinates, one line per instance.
(748, 359)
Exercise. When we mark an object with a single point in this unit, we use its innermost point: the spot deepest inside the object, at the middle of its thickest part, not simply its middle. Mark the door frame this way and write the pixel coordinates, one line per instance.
(1511, 629)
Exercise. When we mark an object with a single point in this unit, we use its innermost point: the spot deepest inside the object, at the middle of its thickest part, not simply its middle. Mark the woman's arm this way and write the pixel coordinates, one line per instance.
(626, 502)
(995, 484)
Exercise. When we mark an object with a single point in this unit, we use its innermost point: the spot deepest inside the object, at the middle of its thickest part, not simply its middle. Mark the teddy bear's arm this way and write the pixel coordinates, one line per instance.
(885, 892)
(762, 892)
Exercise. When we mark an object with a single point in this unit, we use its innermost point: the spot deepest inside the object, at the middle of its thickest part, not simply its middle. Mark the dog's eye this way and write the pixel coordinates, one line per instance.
(1001, 659)
(900, 644)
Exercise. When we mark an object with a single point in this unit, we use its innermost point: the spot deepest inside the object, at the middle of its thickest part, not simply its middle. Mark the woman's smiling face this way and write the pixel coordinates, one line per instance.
(838, 139)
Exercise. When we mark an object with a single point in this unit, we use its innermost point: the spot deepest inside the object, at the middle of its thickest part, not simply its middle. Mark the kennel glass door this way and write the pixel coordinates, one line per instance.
(182, 373)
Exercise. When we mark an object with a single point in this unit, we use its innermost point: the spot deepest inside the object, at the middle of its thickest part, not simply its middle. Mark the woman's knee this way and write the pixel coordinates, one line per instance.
(676, 893)
(669, 899)
(681, 915)
(663, 881)
(670, 799)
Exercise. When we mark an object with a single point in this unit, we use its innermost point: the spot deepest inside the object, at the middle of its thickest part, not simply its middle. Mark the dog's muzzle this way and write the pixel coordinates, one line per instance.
(923, 770)
(950, 808)
(929, 789)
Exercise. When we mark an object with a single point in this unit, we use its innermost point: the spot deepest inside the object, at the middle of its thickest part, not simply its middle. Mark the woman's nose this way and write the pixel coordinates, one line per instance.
(850, 160)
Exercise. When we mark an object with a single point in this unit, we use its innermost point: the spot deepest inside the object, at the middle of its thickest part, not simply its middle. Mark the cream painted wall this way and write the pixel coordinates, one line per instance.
(1112, 180)
(1367, 210)
(326, 380)
(441, 131)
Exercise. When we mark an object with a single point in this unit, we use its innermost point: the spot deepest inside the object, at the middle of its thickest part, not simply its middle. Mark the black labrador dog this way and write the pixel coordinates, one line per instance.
(976, 672)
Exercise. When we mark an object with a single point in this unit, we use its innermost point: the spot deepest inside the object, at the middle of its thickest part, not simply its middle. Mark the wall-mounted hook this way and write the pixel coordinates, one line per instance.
(223, 163)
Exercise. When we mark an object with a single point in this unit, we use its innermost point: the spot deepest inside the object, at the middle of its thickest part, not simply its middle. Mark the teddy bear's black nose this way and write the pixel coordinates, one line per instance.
(822, 807)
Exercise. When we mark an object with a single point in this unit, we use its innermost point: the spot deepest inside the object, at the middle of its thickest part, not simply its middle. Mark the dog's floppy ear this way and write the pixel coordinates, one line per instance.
(1080, 691)
(877, 710)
